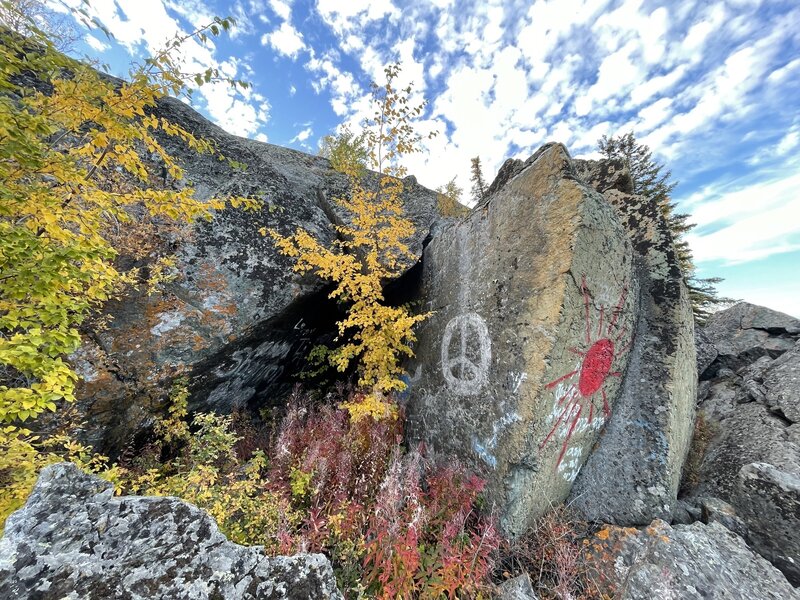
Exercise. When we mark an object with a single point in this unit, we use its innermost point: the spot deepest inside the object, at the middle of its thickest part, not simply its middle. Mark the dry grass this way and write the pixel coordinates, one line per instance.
(704, 432)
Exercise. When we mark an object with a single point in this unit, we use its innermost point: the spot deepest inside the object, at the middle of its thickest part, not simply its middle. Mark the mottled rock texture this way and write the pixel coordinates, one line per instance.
(518, 588)
(769, 500)
(685, 562)
(706, 351)
(75, 539)
(751, 401)
(533, 297)
(745, 332)
(633, 474)
(604, 175)
(237, 320)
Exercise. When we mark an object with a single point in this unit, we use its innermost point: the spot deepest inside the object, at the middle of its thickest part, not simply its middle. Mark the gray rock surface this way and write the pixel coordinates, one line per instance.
(781, 387)
(714, 510)
(534, 301)
(633, 474)
(237, 320)
(769, 501)
(685, 562)
(705, 350)
(518, 588)
(746, 332)
(752, 403)
(75, 539)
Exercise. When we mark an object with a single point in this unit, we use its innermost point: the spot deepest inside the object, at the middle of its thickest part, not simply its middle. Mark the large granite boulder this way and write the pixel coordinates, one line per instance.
(686, 562)
(753, 459)
(533, 298)
(237, 320)
(633, 475)
(75, 539)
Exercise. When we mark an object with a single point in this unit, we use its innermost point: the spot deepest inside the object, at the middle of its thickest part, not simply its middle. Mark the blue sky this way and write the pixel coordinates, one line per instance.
(713, 87)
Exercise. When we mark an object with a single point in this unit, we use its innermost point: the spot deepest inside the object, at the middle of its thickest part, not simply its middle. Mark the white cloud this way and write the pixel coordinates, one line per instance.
(144, 26)
(346, 16)
(782, 73)
(194, 11)
(96, 44)
(618, 73)
(302, 136)
(748, 223)
(656, 85)
(788, 142)
(281, 8)
(341, 85)
(286, 40)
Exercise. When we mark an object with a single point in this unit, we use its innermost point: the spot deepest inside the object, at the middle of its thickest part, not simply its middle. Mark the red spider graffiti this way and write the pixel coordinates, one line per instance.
(598, 359)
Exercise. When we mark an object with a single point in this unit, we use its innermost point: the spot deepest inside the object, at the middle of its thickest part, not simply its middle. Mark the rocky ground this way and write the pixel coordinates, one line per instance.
(561, 362)
(749, 397)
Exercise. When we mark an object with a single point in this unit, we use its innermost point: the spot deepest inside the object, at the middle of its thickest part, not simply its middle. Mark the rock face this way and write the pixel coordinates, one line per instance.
(634, 473)
(533, 298)
(237, 319)
(604, 175)
(686, 562)
(75, 539)
(706, 351)
(746, 332)
(769, 501)
(751, 401)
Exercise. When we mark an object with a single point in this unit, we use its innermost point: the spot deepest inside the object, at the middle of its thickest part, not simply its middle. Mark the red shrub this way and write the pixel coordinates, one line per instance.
(425, 539)
(391, 519)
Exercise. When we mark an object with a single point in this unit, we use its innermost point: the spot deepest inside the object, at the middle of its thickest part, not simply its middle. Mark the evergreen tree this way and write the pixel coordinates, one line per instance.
(478, 183)
(651, 180)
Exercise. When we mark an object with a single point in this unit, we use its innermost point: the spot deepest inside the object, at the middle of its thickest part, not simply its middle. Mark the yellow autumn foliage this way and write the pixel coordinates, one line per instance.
(71, 141)
(372, 249)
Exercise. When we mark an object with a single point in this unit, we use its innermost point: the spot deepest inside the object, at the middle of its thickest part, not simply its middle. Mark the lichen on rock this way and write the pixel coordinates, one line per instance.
(75, 539)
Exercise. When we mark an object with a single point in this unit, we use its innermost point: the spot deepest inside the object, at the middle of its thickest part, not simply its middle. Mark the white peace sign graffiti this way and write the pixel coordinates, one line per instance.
(463, 373)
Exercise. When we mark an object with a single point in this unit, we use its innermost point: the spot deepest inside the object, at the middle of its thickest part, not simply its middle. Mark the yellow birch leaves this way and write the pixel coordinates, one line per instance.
(372, 249)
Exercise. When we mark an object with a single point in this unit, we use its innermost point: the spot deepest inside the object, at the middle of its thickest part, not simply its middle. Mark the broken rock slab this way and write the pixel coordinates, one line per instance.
(75, 539)
(686, 562)
(237, 319)
(745, 332)
(533, 299)
(633, 475)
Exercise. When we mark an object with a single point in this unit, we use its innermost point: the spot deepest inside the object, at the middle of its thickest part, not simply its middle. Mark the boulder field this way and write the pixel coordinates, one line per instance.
(749, 398)
(561, 362)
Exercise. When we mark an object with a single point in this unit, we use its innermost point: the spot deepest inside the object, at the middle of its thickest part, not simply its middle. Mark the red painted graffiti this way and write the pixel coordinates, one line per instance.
(601, 351)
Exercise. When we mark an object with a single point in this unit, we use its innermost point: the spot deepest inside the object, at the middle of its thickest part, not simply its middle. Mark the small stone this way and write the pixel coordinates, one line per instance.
(715, 510)
(518, 588)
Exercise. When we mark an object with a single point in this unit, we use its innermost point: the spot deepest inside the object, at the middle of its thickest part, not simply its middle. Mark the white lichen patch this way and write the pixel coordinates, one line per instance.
(167, 322)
